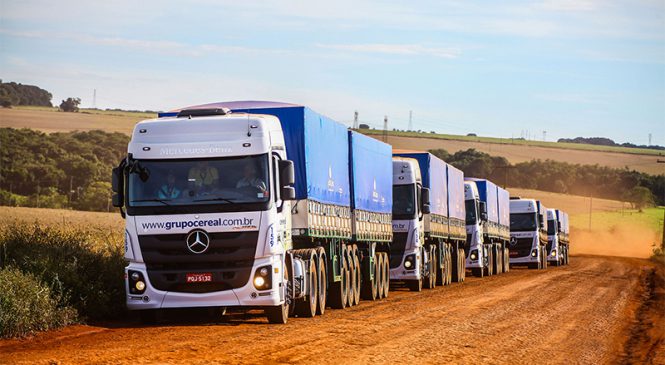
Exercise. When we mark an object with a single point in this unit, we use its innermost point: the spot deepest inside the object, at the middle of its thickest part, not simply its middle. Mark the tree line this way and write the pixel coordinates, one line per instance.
(73, 169)
(602, 141)
(631, 186)
(58, 170)
(12, 93)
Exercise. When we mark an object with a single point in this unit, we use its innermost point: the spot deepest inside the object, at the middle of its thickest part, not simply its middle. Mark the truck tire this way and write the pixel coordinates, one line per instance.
(323, 283)
(308, 307)
(356, 263)
(462, 255)
(339, 290)
(280, 314)
(495, 261)
(490, 264)
(506, 259)
(455, 274)
(386, 274)
(544, 258)
(379, 276)
(352, 277)
(430, 279)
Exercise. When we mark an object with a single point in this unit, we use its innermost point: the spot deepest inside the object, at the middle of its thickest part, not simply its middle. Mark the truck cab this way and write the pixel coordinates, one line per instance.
(554, 249)
(206, 200)
(409, 207)
(528, 233)
(476, 213)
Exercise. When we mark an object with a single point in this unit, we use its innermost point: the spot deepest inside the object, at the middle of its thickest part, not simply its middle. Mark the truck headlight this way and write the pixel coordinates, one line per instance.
(410, 262)
(136, 282)
(262, 278)
(534, 253)
(473, 255)
(553, 253)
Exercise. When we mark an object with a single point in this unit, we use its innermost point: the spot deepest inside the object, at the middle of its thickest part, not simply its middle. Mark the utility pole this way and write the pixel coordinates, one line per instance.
(544, 136)
(649, 139)
(410, 120)
(385, 129)
(590, 208)
(507, 168)
(355, 120)
(662, 242)
(94, 98)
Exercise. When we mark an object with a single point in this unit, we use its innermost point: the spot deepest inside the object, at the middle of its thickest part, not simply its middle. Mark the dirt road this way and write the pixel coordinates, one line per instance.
(597, 310)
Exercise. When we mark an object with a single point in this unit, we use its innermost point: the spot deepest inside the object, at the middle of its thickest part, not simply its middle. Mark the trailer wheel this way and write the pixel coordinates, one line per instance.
(352, 277)
(376, 283)
(490, 264)
(544, 258)
(356, 288)
(386, 275)
(506, 259)
(379, 275)
(323, 284)
(450, 265)
(339, 290)
(430, 279)
(462, 263)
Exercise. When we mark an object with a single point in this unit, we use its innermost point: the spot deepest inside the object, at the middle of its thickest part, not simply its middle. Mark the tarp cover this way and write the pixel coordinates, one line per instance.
(433, 172)
(317, 145)
(487, 192)
(504, 206)
(456, 207)
(371, 174)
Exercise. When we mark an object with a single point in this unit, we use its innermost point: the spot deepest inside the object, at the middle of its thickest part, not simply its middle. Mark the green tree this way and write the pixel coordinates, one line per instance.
(639, 197)
(70, 105)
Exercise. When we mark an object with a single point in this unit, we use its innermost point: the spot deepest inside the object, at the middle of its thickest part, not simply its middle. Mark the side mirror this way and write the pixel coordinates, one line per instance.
(287, 175)
(288, 193)
(426, 209)
(482, 206)
(424, 197)
(287, 178)
(117, 186)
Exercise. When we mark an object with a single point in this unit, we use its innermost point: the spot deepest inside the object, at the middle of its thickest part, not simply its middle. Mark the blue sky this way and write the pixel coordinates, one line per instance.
(569, 67)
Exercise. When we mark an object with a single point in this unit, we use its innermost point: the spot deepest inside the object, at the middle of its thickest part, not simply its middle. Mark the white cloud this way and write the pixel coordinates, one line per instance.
(397, 49)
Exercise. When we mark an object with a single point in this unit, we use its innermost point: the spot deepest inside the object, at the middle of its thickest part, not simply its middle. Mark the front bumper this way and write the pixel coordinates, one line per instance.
(246, 295)
(401, 273)
(525, 259)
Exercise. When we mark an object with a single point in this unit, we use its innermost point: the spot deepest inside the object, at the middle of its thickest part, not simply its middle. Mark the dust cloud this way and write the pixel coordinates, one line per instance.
(626, 240)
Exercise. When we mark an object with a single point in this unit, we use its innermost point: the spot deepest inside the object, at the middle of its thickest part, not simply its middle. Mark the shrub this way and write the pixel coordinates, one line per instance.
(85, 271)
(27, 305)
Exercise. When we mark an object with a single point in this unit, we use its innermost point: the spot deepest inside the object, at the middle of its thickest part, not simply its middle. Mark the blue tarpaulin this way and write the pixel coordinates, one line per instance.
(371, 174)
(434, 174)
(487, 192)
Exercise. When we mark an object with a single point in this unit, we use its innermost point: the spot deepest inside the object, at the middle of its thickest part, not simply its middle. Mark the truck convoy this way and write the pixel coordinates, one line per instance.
(428, 221)
(273, 206)
(487, 227)
(528, 233)
(557, 237)
(281, 209)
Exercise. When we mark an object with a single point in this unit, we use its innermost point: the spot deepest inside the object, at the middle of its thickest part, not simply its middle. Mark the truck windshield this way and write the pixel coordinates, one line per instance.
(520, 222)
(196, 182)
(404, 202)
(551, 227)
(470, 211)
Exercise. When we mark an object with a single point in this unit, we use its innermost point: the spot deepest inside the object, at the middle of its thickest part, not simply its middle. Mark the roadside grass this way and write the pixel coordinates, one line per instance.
(119, 113)
(82, 268)
(513, 141)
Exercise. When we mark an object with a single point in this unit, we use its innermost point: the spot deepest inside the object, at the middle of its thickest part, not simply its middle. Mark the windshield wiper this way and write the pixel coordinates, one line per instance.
(152, 200)
(214, 199)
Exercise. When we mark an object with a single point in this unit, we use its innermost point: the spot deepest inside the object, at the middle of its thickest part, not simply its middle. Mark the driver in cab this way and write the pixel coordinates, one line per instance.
(203, 177)
(249, 179)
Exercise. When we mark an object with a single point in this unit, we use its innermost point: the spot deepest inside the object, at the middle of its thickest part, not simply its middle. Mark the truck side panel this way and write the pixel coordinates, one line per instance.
(503, 197)
(456, 206)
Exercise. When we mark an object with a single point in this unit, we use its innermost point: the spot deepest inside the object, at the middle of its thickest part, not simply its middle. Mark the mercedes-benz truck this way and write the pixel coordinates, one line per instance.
(558, 236)
(428, 221)
(253, 205)
(487, 227)
(528, 233)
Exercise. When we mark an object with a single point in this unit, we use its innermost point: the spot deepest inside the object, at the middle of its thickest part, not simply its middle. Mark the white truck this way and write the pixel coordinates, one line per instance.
(487, 227)
(528, 233)
(253, 205)
(557, 237)
(428, 221)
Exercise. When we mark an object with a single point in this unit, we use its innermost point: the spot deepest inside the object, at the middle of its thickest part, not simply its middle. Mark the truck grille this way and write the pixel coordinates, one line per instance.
(229, 258)
(397, 248)
(522, 247)
(549, 245)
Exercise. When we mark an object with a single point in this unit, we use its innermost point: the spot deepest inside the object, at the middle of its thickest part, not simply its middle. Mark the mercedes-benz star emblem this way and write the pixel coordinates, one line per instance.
(198, 241)
(513, 241)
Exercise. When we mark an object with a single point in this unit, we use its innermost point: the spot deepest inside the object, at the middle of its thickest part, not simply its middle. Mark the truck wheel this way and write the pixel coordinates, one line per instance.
(280, 314)
(352, 277)
(450, 265)
(386, 274)
(430, 279)
(442, 270)
(506, 259)
(455, 274)
(544, 259)
(376, 283)
(490, 264)
(323, 284)
(339, 290)
(462, 255)
(379, 276)
(356, 263)
(308, 307)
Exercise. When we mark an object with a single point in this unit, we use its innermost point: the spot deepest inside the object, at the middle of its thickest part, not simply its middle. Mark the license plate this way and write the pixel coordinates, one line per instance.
(199, 278)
